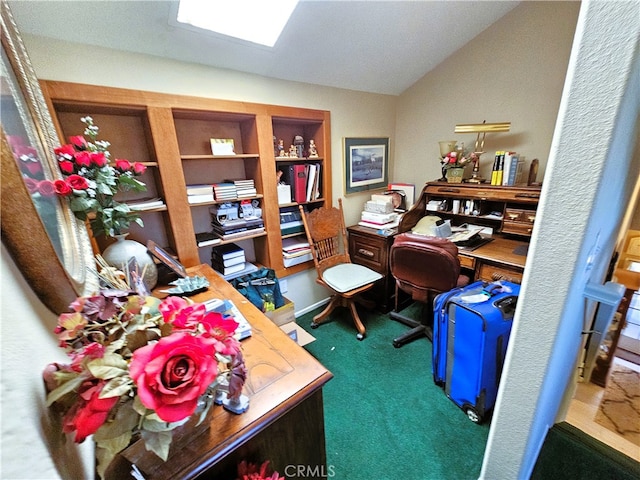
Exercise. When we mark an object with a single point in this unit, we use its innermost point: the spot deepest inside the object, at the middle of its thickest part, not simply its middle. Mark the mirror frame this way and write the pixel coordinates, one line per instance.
(56, 281)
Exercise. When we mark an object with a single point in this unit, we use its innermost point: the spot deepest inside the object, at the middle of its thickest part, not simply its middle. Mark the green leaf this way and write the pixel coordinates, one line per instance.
(158, 443)
(116, 387)
(65, 388)
(125, 421)
(108, 367)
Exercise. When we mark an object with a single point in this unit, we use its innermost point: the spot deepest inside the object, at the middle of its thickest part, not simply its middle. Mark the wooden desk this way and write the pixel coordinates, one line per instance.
(501, 259)
(284, 423)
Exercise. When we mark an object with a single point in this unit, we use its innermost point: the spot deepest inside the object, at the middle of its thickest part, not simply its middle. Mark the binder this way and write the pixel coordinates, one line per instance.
(300, 182)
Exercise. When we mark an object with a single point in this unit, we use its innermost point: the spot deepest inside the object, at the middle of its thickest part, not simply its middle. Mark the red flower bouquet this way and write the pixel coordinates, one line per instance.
(92, 180)
(141, 366)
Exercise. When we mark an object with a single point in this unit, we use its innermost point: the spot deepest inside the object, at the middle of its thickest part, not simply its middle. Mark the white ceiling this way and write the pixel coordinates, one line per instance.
(372, 46)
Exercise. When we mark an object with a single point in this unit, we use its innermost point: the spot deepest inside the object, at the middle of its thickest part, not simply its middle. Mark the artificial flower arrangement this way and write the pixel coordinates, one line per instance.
(92, 180)
(141, 367)
(250, 471)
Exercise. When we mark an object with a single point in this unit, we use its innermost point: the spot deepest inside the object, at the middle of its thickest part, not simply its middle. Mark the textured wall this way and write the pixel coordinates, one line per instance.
(589, 181)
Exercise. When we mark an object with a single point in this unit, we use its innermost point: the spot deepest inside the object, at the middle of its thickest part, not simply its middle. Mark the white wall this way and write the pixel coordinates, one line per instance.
(590, 179)
(511, 72)
(31, 448)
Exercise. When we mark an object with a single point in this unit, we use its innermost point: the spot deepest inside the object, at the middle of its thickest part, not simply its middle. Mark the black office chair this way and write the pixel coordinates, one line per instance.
(423, 266)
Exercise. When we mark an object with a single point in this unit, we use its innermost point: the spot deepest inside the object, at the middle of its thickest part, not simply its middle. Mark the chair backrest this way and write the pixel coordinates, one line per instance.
(422, 264)
(327, 236)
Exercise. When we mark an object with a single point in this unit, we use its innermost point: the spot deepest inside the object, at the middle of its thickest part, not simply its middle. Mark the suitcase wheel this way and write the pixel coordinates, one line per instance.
(472, 414)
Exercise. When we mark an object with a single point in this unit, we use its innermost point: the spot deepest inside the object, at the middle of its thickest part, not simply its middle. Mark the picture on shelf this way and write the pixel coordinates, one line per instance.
(222, 146)
(164, 256)
(366, 164)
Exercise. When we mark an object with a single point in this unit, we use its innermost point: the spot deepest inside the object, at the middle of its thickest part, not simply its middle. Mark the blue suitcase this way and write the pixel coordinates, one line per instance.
(471, 331)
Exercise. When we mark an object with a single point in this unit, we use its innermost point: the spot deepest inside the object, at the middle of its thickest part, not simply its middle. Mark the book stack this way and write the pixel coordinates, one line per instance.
(200, 193)
(290, 221)
(507, 169)
(379, 220)
(244, 188)
(228, 258)
(224, 191)
(227, 228)
(379, 213)
(145, 204)
(295, 250)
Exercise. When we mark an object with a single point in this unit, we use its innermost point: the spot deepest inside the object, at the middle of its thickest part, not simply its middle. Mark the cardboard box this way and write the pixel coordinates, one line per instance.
(284, 314)
(297, 333)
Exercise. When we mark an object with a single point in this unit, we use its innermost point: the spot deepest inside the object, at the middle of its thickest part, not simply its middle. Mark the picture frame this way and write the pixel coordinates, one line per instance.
(164, 257)
(366, 164)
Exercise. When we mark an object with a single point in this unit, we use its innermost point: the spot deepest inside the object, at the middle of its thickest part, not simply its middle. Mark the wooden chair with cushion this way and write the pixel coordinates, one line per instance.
(327, 238)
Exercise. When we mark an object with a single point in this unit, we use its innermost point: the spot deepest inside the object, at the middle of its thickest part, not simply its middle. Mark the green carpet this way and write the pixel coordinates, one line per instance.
(384, 416)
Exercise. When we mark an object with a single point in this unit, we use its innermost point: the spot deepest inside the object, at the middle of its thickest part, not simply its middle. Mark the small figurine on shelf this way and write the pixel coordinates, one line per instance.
(280, 148)
(298, 141)
(293, 151)
(313, 151)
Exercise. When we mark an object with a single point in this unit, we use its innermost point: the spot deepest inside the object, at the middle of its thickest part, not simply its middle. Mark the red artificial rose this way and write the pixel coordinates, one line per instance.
(122, 165)
(98, 159)
(66, 151)
(139, 168)
(82, 159)
(79, 142)
(77, 182)
(62, 188)
(32, 184)
(66, 167)
(90, 411)
(170, 307)
(172, 373)
(46, 188)
(221, 329)
(32, 166)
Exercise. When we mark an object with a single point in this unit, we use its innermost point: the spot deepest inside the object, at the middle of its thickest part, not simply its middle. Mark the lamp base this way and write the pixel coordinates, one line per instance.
(475, 180)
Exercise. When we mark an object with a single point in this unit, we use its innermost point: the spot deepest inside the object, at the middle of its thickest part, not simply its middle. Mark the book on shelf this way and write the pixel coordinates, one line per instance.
(229, 262)
(248, 268)
(311, 181)
(229, 270)
(224, 191)
(514, 162)
(300, 182)
(293, 244)
(228, 309)
(202, 198)
(229, 250)
(241, 234)
(145, 204)
(204, 239)
(200, 189)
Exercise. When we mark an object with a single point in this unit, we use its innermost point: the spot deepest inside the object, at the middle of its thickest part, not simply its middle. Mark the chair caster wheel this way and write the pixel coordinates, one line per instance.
(397, 344)
(360, 336)
(314, 325)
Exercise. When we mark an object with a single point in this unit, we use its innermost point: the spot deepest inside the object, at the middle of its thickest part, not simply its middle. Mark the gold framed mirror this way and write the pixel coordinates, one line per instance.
(49, 245)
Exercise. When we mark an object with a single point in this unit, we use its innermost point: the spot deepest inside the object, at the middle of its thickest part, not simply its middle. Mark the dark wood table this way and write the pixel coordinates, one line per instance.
(284, 423)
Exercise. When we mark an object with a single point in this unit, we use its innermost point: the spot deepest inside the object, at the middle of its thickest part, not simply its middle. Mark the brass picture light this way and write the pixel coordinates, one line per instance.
(481, 129)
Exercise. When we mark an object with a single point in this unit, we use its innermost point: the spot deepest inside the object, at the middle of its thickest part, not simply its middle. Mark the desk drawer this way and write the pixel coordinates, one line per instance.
(491, 273)
(467, 262)
(368, 252)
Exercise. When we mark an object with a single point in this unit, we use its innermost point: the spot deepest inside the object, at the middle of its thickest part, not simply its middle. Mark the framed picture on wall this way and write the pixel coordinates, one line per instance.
(366, 164)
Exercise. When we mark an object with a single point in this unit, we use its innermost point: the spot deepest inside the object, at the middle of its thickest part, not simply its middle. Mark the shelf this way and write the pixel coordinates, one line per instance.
(171, 134)
(220, 157)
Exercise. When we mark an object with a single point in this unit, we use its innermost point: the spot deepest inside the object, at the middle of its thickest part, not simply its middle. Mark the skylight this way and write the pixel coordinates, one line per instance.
(257, 21)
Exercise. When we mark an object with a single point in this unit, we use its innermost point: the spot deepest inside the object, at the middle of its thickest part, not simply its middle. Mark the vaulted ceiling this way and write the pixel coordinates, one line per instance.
(372, 46)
